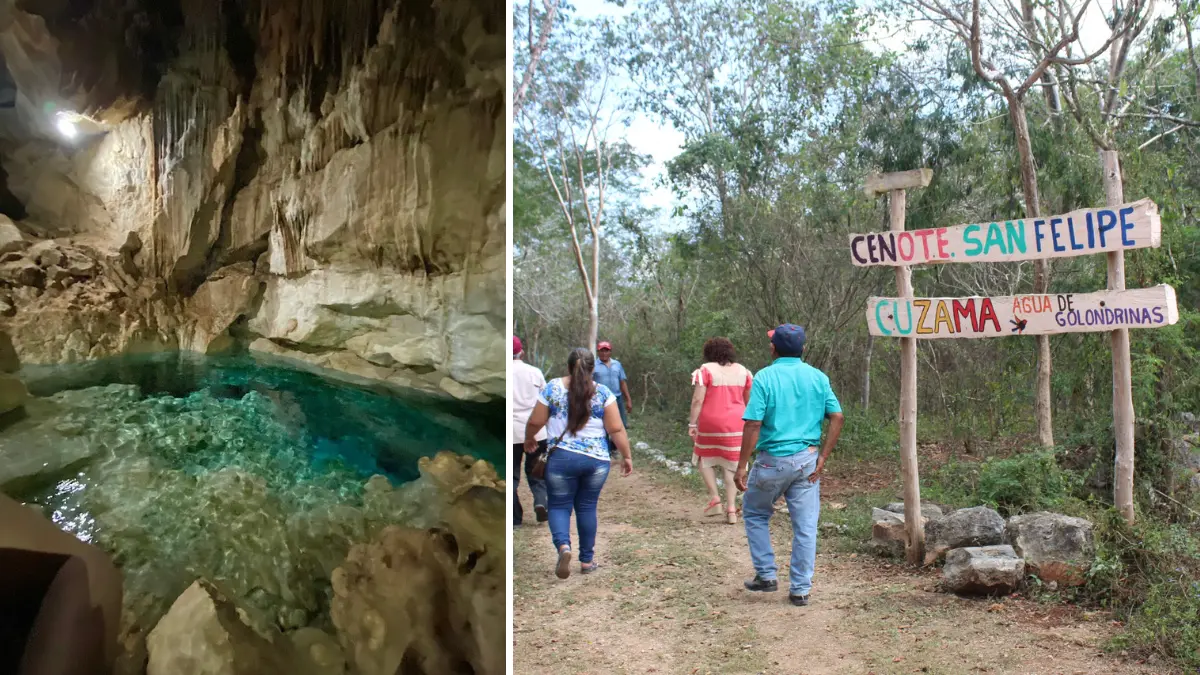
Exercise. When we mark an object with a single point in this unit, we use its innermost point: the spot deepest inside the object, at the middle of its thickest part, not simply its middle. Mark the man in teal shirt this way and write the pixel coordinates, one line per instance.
(789, 400)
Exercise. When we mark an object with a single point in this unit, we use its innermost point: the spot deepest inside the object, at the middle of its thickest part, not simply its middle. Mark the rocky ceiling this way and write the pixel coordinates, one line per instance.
(347, 156)
(107, 59)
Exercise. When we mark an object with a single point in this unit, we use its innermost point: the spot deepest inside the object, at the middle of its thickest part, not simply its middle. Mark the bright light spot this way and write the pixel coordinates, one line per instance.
(66, 127)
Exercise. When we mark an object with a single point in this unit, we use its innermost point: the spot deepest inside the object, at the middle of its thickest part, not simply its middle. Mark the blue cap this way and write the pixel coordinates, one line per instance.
(788, 339)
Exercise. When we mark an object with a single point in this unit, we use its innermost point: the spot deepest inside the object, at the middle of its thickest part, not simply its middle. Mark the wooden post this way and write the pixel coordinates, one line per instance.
(1122, 376)
(895, 184)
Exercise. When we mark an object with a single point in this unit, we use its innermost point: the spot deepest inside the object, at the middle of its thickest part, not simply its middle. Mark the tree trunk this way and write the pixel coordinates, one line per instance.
(1041, 281)
(1114, 195)
(594, 291)
(866, 385)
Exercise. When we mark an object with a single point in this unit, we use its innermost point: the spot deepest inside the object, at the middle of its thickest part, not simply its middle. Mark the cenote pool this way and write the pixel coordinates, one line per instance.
(238, 470)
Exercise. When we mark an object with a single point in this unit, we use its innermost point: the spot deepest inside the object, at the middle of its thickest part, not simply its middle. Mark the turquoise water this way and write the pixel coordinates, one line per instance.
(249, 474)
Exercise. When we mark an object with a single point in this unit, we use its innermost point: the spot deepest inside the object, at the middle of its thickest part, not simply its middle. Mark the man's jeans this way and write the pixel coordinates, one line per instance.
(769, 478)
(612, 447)
(536, 485)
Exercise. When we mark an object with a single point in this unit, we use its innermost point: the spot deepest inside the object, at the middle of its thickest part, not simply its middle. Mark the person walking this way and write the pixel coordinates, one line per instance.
(525, 383)
(789, 399)
(720, 389)
(610, 373)
(581, 418)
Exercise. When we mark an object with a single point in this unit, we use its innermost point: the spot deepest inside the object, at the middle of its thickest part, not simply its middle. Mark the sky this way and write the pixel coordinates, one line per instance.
(652, 136)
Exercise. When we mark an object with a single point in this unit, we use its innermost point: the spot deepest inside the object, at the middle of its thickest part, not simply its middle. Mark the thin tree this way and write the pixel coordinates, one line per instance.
(568, 123)
(536, 44)
(1050, 46)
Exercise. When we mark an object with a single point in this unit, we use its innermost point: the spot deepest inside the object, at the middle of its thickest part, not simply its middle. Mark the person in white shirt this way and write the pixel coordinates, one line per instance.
(525, 383)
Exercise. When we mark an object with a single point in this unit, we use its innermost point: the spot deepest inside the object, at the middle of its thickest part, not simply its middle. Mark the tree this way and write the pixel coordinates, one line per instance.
(535, 44)
(568, 122)
(1050, 36)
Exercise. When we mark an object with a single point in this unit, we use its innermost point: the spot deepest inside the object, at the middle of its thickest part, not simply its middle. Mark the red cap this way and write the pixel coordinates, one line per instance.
(604, 345)
(517, 349)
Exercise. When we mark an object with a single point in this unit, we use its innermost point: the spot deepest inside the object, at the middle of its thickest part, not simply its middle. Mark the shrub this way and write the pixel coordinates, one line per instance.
(1150, 575)
(1027, 482)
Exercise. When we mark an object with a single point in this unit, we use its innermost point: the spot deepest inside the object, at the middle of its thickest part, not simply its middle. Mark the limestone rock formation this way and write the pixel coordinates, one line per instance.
(983, 570)
(204, 634)
(429, 600)
(322, 180)
(1055, 547)
(404, 603)
(973, 527)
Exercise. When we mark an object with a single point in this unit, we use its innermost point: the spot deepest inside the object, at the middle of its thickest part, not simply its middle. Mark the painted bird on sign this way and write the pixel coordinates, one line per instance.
(1019, 324)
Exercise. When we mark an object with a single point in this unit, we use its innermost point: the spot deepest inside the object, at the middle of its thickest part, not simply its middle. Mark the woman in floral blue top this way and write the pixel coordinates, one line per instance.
(580, 417)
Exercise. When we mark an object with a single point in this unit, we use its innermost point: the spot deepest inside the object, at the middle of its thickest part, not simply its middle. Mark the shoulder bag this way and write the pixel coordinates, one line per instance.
(541, 457)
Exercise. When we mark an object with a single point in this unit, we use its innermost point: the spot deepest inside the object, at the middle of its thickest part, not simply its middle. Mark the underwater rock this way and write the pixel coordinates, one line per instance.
(203, 633)
(404, 603)
(45, 444)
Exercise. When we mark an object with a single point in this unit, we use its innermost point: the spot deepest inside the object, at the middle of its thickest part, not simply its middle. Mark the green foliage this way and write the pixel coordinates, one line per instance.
(868, 436)
(1029, 481)
(1150, 575)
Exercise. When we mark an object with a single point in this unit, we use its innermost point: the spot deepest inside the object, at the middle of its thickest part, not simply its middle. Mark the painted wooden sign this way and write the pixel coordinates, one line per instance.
(1041, 314)
(1081, 232)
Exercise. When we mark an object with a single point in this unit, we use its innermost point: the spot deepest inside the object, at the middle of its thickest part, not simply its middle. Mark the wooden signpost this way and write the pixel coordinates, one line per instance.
(896, 184)
(1082, 232)
(1043, 314)
(1110, 230)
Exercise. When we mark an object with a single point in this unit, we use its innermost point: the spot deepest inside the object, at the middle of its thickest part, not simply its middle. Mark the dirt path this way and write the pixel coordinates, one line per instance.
(669, 599)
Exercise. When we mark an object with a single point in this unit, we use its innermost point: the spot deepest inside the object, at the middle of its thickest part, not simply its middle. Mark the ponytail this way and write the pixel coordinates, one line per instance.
(580, 364)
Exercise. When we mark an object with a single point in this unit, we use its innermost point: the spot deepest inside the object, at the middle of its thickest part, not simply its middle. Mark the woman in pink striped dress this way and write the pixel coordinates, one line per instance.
(722, 387)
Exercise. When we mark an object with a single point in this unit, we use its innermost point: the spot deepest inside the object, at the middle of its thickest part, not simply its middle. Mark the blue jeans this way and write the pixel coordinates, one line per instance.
(574, 480)
(536, 485)
(769, 478)
(612, 447)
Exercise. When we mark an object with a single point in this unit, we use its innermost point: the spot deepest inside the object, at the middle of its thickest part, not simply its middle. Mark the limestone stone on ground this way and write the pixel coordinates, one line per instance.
(888, 535)
(976, 526)
(929, 510)
(204, 634)
(983, 570)
(1055, 547)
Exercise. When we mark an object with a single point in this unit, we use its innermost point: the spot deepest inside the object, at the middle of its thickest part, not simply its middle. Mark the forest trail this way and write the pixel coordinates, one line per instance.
(669, 599)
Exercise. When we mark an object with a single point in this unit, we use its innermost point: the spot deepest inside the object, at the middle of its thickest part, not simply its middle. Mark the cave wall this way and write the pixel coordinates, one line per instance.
(321, 180)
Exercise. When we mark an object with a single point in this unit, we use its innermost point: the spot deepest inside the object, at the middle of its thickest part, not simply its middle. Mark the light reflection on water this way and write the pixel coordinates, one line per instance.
(69, 517)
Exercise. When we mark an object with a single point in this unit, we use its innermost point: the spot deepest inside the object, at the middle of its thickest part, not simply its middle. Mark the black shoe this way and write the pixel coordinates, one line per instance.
(761, 585)
(542, 516)
(799, 600)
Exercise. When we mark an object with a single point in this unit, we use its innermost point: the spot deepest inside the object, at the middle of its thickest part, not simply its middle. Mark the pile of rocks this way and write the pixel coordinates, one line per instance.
(985, 554)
